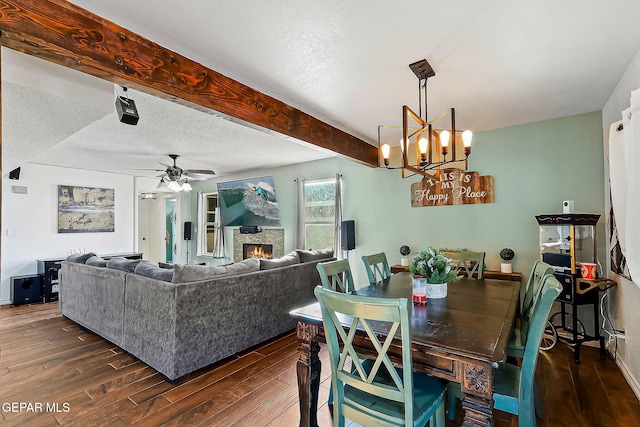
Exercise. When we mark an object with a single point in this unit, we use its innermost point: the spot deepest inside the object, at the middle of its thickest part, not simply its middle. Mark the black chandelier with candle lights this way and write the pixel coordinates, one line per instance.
(430, 142)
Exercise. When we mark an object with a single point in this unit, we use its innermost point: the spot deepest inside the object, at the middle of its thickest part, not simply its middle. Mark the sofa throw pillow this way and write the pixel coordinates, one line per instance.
(149, 269)
(96, 261)
(166, 265)
(194, 273)
(80, 258)
(307, 256)
(289, 259)
(121, 263)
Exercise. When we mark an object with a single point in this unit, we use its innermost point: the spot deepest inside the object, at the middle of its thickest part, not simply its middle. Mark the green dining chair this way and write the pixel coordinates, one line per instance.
(467, 262)
(528, 295)
(374, 391)
(336, 275)
(515, 390)
(377, 267)
(514, 386)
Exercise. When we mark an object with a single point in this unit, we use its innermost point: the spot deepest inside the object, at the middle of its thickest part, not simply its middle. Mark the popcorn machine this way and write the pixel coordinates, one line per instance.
(568, 243)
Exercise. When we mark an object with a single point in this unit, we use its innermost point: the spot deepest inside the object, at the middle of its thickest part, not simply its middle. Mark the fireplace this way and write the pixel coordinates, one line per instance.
(273, 236)
(257, 250)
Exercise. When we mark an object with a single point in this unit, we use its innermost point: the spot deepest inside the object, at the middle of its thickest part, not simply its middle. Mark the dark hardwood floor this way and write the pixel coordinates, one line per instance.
(87, 381)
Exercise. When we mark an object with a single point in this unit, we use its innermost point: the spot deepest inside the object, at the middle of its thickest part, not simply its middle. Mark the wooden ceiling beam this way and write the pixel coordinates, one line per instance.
(65, 34)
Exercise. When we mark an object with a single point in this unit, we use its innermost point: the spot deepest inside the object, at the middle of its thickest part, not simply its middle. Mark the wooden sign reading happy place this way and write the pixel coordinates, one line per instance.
(452, 187)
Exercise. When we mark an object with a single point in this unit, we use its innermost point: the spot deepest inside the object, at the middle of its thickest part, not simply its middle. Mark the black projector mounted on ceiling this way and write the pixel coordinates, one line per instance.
(126, 108)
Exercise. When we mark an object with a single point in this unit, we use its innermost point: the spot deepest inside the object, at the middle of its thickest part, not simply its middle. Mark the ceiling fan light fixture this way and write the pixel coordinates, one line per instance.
(174, 178)
(174, 186)
(162, 185)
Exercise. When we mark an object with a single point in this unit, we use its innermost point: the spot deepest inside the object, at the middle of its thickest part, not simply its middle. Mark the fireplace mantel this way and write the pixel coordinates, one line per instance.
(273, 236)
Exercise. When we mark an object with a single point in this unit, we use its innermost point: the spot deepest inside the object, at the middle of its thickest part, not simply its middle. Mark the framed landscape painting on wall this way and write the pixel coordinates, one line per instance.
(85, 209)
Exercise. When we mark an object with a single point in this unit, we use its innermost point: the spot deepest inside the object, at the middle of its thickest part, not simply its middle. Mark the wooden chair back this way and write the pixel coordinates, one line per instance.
(531, 292)
(514, 387)
(550, 289)
(336, 275)
(360, 391)
(377, 267)
(467, 262)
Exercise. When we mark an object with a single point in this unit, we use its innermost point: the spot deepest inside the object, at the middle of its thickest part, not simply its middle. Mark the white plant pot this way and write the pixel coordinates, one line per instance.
(436, 290)
(505, 267)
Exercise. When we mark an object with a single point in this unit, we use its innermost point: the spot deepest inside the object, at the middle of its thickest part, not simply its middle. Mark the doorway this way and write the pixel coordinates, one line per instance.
(157, 230)
(171, 234)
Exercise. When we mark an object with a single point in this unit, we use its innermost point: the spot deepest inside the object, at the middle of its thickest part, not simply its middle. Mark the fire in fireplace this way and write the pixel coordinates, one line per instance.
(257, 250)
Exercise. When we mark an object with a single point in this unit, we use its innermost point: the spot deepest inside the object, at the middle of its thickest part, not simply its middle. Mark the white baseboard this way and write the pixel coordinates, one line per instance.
(5, 301)
(633, 383)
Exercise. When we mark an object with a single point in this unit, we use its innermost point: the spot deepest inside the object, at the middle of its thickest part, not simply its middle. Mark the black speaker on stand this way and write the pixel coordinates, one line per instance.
(187, 230)
(348, 239)
(188, 235)
(26, 289)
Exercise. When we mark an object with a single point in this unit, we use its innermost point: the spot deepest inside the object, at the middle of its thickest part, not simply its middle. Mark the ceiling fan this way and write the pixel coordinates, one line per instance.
(176, 173)
(177, 179)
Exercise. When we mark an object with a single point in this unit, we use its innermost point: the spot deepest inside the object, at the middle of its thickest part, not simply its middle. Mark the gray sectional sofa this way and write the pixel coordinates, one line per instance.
(177, 328)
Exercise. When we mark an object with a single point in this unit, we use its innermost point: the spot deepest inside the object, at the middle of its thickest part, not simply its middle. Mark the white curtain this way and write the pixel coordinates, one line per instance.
(337, 231)
(624, 161)
(218, 244)
(200, 234)
(300, 214)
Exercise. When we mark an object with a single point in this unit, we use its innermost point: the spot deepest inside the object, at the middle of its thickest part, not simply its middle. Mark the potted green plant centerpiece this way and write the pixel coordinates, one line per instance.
(507, 255)
(431, 271)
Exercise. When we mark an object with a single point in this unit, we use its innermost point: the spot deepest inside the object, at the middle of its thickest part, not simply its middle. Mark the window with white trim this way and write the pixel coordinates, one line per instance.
(207, 210)
(319, 209)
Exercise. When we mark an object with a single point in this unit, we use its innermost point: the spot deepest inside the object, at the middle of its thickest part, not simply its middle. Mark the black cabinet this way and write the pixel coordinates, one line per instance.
(50, 283)
(48, 271)
(570, 292)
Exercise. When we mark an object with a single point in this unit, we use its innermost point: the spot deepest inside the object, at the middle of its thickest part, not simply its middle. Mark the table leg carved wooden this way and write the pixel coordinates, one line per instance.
(308, 370)
(477, 386)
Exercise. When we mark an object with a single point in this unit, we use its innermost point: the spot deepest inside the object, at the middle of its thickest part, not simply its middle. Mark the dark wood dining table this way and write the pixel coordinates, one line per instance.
(460, 338)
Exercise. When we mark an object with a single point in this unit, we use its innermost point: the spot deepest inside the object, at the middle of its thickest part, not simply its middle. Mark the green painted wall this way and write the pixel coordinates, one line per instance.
(535, 167)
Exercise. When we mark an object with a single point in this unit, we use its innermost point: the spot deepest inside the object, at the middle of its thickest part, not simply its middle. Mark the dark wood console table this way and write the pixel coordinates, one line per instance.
(127, 255)
(488, 274)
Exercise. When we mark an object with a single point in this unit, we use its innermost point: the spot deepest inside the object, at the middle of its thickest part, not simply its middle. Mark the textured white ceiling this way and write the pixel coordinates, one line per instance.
(34, 122)
(498, 62)
(56, 116)
(201, 140)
